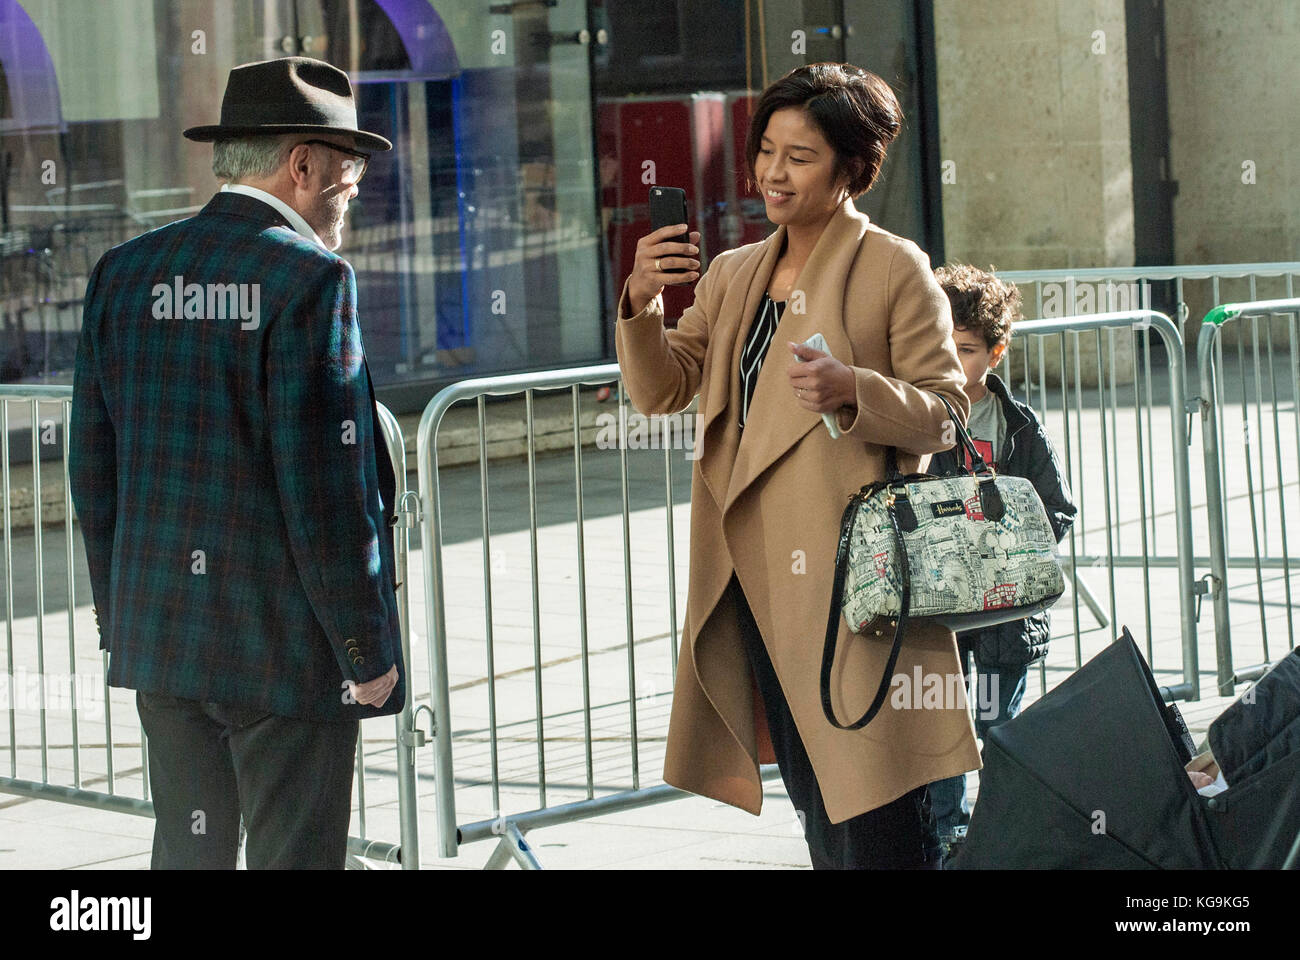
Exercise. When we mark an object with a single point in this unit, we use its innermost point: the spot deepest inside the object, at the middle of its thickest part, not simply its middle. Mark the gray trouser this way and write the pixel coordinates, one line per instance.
(208, 763)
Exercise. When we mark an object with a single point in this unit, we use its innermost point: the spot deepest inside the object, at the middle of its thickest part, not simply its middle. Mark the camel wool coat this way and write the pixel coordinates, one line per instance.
(767, 506)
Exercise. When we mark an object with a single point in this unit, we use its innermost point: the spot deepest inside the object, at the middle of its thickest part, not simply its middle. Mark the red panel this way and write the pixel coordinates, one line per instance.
(751, 223)
(638, 132)
(686, 138)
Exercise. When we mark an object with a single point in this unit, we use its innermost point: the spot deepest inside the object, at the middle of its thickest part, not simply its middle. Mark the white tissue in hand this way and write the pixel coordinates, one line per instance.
(818, 342)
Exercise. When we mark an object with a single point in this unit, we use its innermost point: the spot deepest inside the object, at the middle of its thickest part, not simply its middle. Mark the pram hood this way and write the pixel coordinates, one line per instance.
(1092, 777)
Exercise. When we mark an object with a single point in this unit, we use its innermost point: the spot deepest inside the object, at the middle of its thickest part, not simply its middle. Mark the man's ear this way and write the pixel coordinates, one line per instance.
(299, 164)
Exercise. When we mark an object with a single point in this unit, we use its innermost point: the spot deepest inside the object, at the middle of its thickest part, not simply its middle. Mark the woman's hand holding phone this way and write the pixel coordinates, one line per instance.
(655, 255)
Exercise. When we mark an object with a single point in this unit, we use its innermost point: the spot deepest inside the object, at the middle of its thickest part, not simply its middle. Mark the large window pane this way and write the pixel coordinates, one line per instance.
(475, 240)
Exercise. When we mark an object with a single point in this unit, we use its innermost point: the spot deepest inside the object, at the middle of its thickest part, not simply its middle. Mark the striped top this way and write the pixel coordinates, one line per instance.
(751, 358)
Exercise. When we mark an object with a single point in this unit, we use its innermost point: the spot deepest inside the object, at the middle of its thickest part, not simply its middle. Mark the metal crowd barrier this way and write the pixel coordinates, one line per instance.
(1255, 384)
(99, 788)
(456, 728)
(1109, 525)
(1140, 288)
(1086, 463)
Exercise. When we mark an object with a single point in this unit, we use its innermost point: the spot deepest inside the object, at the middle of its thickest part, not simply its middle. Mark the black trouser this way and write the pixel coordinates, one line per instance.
(898, 835)
(208, 762)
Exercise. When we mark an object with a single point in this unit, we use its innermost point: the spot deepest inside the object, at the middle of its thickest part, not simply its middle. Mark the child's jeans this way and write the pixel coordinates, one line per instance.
(997, 696)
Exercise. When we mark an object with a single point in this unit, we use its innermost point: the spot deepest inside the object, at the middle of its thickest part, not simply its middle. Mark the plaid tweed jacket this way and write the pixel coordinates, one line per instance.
(228, 470)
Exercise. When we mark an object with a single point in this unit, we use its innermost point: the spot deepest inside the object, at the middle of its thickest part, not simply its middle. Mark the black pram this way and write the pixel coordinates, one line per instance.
(1092, 776)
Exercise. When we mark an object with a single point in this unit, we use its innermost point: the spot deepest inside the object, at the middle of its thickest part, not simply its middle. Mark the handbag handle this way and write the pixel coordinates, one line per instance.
(978, 466)
(847, 522)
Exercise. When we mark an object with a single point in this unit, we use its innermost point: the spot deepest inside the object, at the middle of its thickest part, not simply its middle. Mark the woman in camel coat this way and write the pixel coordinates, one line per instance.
(770, 484)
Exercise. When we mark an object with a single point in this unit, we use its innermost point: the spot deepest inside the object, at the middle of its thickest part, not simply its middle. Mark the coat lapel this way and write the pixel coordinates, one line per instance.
(721, 434)
(776, 421)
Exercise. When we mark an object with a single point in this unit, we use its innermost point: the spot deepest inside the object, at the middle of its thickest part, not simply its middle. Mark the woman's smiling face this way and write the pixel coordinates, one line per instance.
(795, 171)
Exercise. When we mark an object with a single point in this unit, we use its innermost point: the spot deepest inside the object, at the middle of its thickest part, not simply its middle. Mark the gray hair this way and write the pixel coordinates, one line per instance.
(243, 157)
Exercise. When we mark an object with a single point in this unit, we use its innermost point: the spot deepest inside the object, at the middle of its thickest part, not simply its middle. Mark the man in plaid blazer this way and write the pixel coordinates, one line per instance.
(233, 488)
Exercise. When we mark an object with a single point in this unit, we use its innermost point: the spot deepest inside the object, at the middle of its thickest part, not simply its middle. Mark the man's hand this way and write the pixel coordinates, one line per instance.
(375, 693)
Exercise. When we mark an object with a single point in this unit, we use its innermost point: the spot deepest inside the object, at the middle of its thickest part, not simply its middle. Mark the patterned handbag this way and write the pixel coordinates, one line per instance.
(967, 551)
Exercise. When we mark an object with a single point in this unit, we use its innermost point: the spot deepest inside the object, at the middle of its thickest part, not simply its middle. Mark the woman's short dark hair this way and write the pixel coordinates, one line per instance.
(854, 109)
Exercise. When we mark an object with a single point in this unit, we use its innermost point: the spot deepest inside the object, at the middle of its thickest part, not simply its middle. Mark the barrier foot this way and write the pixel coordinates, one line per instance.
(513, 846)
(1178, 691)
(1249, 675)
(1090, 601)
(372, 850)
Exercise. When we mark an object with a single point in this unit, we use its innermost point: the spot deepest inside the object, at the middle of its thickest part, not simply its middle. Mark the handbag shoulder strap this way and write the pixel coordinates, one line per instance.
(833, 623)
(963, 440)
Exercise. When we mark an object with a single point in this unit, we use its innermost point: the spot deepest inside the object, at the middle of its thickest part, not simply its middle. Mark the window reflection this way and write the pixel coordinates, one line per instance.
(474, 241)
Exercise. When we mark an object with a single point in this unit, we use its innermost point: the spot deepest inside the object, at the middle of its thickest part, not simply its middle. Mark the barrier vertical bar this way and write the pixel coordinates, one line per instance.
(1042, 378)
(1074, 562)
(1281, 484)
(579, 514)
(9, 587)
(536, 597)
(1142, 492)
(1151, 452)
(1250, 491)
(1105, 474)
(1190, 687)
(361, 780)
(1112, 480)
(1081, 487)
(1207, 351)
(436, 624)
(40, 580)
(1259, 422)
(489, 640)
(627, 592)
(672, 552)
(73, 673)
(406, 734)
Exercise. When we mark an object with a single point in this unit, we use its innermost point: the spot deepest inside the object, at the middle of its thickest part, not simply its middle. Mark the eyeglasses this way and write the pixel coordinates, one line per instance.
(353, 170)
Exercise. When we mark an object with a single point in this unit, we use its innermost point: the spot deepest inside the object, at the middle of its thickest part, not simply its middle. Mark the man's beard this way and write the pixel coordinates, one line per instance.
(328, 218)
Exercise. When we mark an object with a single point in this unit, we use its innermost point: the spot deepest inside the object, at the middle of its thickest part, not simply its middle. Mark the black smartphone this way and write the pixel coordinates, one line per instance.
(668, 206)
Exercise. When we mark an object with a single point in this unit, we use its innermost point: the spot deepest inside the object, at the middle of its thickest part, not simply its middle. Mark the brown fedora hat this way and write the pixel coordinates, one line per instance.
(288, 95)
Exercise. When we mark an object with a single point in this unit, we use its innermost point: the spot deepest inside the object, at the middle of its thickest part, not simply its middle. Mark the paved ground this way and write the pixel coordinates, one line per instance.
(547, 665)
